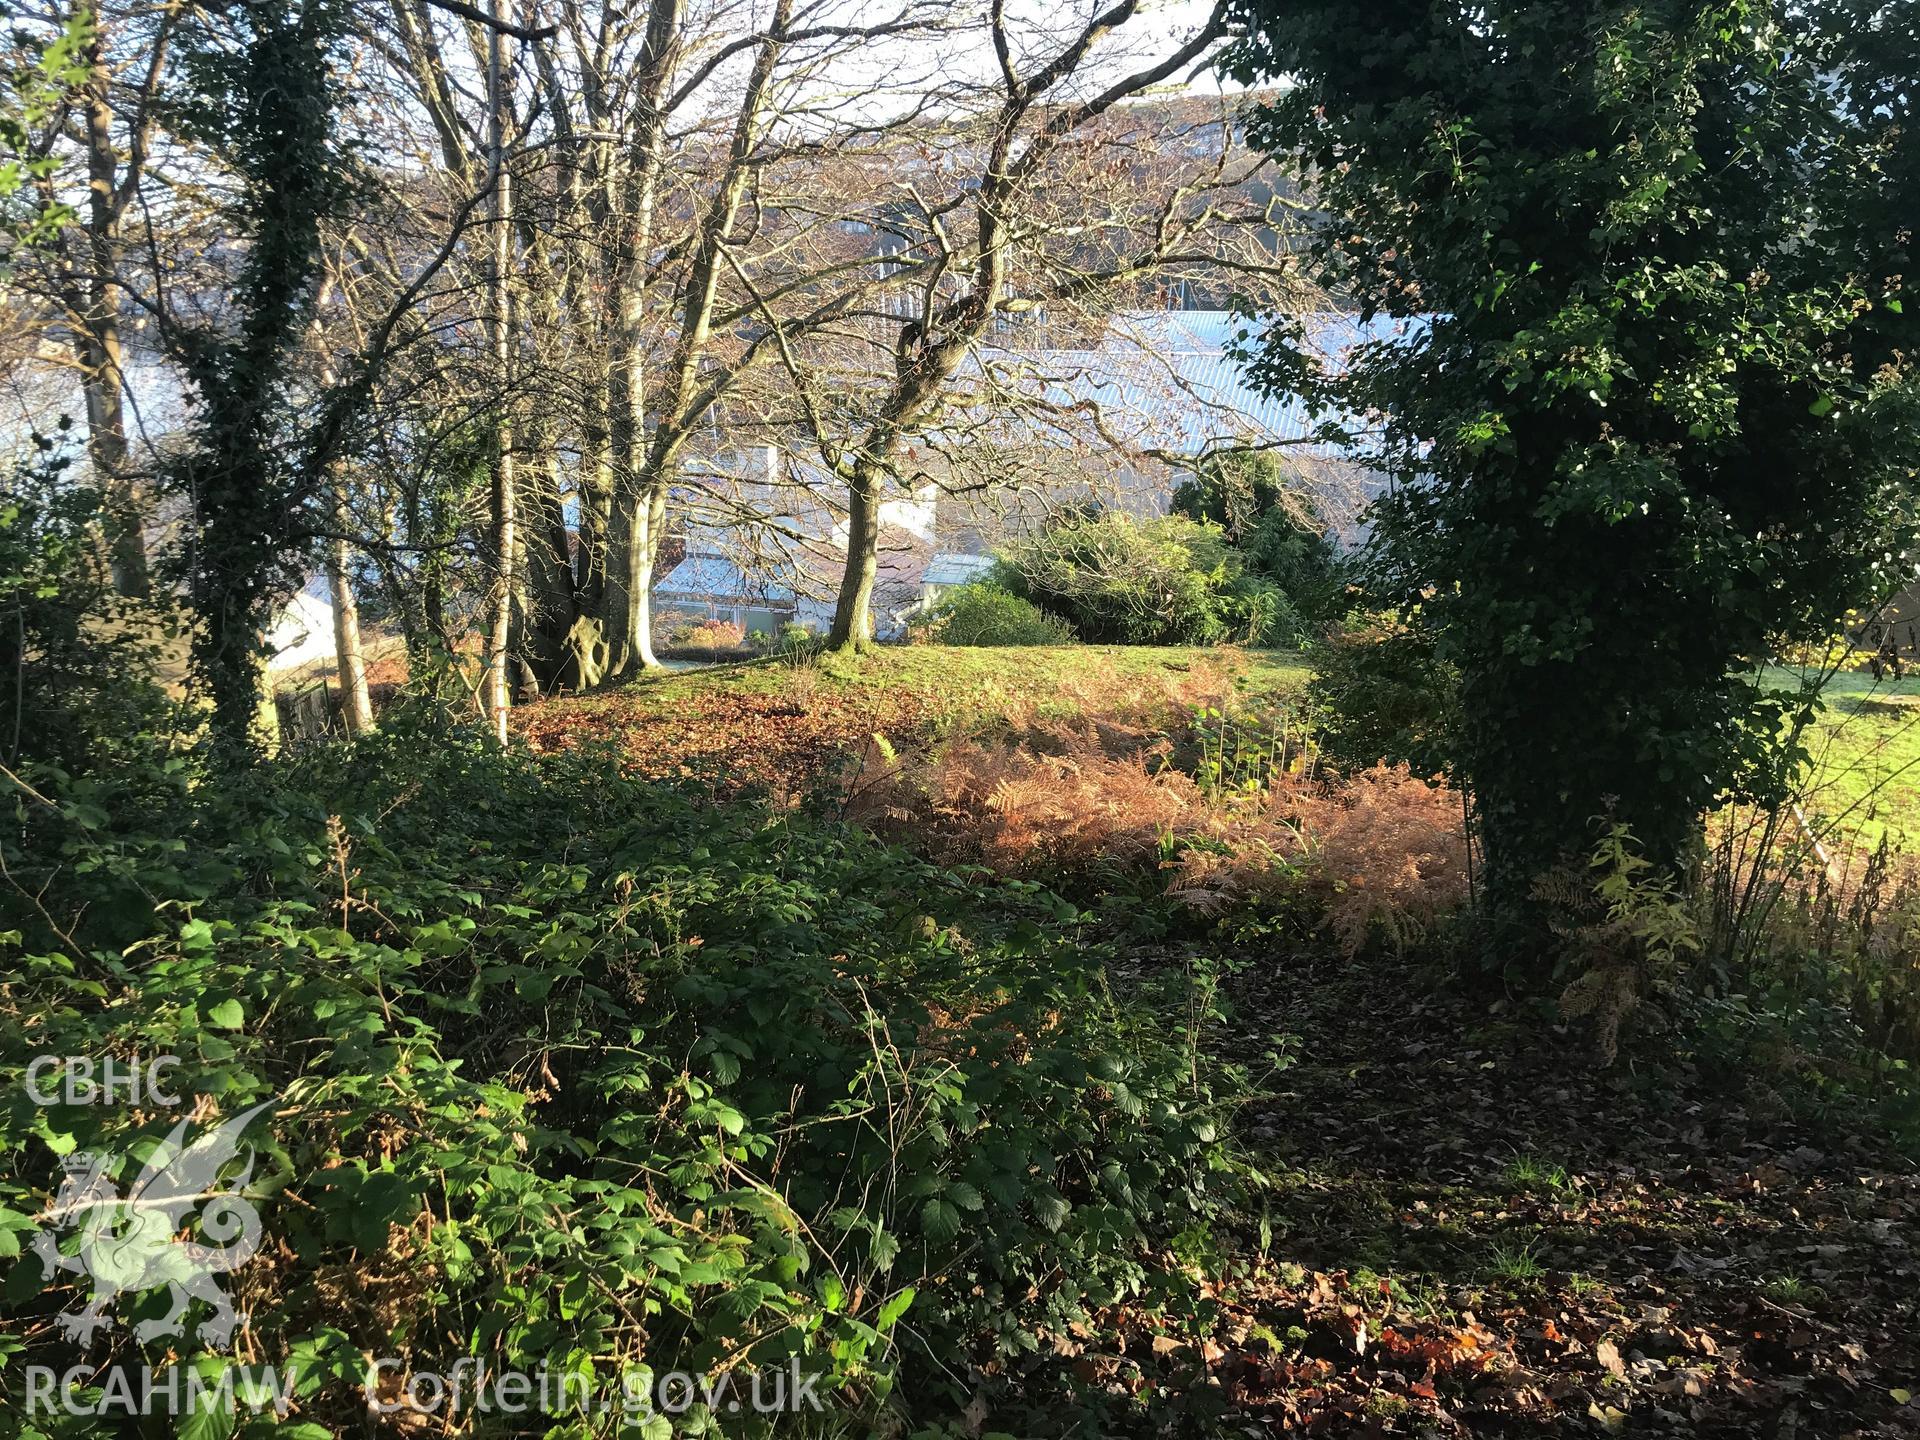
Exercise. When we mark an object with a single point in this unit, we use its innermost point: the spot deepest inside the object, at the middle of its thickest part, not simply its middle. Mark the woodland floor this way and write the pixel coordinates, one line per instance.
(788, 727)
(1481, 1232)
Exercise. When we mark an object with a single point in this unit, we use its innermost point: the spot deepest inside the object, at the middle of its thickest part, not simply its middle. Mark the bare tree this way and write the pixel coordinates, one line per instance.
(103, 133)
(1057, 189)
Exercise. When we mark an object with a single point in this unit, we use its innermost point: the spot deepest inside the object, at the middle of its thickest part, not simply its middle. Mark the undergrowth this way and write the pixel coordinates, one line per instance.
(561, 1071)
(1215, 810)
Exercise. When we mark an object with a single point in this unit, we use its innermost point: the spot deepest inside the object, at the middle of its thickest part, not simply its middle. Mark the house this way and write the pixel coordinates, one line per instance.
(759, 599)
(948, 570)
(762, 593)
(302, 630)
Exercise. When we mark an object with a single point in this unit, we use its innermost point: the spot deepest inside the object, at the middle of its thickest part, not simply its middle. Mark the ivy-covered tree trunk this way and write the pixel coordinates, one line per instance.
(263, 100)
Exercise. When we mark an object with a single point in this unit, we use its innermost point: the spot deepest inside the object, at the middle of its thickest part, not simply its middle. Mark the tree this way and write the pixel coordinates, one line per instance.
(262, 99)
(1268, 514)
(1064, 200)
(36, 76)
(102, 126)
(1656, 413)
(639, 179)
(1164, 581)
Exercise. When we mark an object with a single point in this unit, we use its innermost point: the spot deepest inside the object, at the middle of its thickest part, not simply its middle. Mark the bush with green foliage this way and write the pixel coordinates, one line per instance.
(70, 648)
(564, 1070)
(986, 613)
(1118, 580)
(1272, 521)
(1380, 695)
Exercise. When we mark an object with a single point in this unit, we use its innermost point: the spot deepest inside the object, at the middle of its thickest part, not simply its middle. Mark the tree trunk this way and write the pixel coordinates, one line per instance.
(853, 612)
(633, 526)
(356, 705)
(552, 605)
(626, 530)
(627, 609)
(499, 687)
(595, 524)
(100, 348)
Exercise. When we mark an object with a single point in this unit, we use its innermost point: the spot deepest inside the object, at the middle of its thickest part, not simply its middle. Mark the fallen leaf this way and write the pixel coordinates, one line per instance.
(1608, 1354)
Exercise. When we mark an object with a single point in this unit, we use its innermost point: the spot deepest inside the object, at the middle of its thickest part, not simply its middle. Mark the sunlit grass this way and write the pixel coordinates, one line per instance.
(1865, 780)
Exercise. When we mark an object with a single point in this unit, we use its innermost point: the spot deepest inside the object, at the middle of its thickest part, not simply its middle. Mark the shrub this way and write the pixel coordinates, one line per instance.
(1273, 522)
(1382, 697)
(568, 1072)
(1097, 801)
(989, 614)
(1168, 581)
(1625, 930)
(77, 661)
(707, 635)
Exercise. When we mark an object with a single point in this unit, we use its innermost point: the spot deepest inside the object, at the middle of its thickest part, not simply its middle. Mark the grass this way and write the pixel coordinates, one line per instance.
(1866, 757)
(1530, 1172)
(975, 674)
(1513, 1261)
(1792, 1290)
(1865, 746)
(786, 722)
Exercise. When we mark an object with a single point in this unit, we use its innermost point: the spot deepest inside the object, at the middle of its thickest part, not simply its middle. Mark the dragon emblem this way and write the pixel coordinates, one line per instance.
(129, 1245)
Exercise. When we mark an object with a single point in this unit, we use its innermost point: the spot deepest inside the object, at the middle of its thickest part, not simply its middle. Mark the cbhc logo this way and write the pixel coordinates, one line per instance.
(106, 1080)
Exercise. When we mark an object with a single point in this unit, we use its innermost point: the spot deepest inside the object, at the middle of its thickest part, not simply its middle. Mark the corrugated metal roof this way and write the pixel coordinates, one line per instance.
(1331, 334)
(951, 568)
(1175, 329)
(710, 577)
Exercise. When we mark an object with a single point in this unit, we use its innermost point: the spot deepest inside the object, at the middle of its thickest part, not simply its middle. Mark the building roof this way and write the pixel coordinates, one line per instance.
(713, 577)
(952, 568)
(782, 580)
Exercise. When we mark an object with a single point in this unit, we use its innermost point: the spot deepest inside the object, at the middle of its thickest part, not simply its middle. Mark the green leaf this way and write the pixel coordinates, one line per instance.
(212, 1414)
(939, 1221)
(12, 1223)
(1051, 1209)
(227, 1015)
(895, 1306)
(964, 1195)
